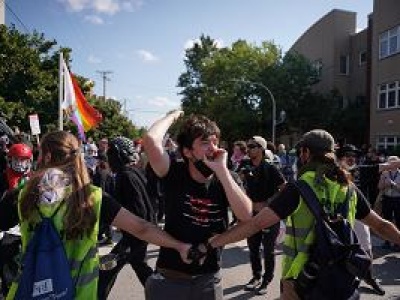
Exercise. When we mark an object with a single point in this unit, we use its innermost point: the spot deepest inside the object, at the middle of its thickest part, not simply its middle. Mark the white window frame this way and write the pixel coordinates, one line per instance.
(386, 41)
(382, 141)
(360, 62)
(385, 89)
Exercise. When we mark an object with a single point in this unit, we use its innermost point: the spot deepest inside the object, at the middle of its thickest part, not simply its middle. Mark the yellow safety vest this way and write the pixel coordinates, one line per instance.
(82, 253)
(300, 225)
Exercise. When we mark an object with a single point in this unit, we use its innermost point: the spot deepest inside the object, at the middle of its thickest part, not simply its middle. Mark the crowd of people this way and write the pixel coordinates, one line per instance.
(191, 197)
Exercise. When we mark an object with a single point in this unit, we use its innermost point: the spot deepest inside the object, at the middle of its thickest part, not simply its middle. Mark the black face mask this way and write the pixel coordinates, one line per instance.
(203, 168)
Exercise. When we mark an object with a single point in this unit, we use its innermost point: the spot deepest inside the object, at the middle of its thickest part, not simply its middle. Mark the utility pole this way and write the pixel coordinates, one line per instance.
(105, 78)
(125, 108)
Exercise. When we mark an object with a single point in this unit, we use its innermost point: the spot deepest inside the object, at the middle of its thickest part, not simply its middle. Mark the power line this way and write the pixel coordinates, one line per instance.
(105, 78)
(16, 17)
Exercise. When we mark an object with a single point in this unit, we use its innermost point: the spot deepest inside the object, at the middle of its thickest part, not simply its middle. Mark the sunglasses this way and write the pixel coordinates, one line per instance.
(252, 146)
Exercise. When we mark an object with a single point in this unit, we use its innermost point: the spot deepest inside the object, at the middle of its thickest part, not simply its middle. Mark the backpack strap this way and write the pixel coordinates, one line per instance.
(53, 214)
(313, 203)
(310, 199)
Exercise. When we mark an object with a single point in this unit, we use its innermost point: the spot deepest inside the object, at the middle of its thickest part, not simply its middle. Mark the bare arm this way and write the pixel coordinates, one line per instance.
(383, 228)
(265, 218)
(152, 143)
(237, 198)
(149, 232)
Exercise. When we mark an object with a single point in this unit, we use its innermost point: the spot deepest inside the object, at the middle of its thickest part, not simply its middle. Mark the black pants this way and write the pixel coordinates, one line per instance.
(391, 209)
(136, 257)
(267, 238)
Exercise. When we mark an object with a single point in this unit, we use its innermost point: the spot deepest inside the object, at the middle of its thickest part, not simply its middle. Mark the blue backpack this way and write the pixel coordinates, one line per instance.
(45, 270)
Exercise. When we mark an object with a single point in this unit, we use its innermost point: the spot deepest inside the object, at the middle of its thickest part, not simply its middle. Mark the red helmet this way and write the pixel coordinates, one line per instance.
(20, 158)
(20, 151)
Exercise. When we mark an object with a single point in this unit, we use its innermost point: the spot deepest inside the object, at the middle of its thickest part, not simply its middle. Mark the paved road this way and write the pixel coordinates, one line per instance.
(236, 271)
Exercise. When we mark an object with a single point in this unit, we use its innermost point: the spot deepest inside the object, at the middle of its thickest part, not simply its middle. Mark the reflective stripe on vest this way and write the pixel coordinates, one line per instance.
(85, 279)
(81, 253)
(75, 264)
(300, 225)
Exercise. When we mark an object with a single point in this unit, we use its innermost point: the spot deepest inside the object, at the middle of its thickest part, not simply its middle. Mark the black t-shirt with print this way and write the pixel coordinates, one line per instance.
(193, 213)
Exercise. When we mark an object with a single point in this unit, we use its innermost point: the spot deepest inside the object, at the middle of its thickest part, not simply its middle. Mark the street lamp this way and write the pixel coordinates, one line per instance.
(282, 115)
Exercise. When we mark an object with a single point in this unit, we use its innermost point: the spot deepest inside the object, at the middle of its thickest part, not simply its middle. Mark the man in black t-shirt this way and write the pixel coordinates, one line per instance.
(131, 192)
(262, 180)
(198, 190)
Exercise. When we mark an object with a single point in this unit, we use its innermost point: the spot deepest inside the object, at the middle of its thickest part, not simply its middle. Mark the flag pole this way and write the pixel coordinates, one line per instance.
(60, 92)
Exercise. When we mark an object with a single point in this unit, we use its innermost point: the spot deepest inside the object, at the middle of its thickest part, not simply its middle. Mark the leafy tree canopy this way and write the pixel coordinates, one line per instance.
(29, 84)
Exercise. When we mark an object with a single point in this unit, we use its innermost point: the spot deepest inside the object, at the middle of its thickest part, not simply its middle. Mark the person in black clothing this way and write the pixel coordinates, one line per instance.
(131, 192)
(198, 191)
(156, 192)
(348, 156)
(105, 179)
(262, 180)
(4, 141)
(316, 154)
(368, 177)
(62, 179)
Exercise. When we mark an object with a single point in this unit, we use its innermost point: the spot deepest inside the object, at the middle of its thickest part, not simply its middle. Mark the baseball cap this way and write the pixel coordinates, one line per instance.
(393, 158)
(318, 139)
(260, 141)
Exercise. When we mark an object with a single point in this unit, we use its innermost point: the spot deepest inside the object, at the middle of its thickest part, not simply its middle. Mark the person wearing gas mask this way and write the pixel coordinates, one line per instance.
(130, 190)
(198, 191)
(19, 163)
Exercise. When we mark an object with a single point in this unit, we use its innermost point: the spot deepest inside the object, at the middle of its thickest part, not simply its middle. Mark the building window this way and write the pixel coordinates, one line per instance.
(389, 143)
(362, 58)
(344, 65)
(389, 42)
(389, 95)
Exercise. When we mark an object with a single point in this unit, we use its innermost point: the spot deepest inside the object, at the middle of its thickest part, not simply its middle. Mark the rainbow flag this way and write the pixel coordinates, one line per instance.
(76, 107)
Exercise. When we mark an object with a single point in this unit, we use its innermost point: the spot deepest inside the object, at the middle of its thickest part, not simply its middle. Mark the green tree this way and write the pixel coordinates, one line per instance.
(29, 76)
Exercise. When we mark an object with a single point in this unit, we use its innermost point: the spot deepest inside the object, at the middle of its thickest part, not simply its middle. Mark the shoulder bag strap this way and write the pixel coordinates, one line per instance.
(310, 199)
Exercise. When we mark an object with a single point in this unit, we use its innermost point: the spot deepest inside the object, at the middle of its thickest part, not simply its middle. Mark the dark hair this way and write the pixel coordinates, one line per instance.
(242, 146)
(196, 126)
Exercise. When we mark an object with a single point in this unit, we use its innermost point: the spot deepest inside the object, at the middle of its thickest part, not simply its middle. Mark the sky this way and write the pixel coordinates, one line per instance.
(142, 42)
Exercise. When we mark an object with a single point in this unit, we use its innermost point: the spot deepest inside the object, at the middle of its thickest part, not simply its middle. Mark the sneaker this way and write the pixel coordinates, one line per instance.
(252, 284)
(375, 286)
(262, 288)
